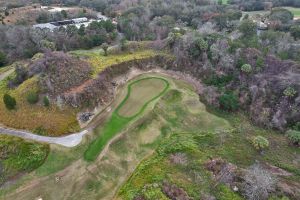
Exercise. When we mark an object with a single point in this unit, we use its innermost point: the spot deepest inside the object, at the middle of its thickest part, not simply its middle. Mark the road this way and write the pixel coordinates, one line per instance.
(67, 141)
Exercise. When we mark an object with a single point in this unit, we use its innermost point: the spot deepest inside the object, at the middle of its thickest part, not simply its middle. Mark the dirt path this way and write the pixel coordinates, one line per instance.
(6, 74)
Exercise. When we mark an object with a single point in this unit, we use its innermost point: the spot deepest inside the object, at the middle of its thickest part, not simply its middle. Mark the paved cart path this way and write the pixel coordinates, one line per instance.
(67, 141)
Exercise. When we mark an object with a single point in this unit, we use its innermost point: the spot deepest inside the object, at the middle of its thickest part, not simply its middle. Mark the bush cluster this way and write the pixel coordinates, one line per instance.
(229, 101)
(9, 101)
(32, 97)
(260, 143)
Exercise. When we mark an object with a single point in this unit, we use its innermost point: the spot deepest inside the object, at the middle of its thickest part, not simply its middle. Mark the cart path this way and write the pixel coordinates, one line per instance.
(67, 141)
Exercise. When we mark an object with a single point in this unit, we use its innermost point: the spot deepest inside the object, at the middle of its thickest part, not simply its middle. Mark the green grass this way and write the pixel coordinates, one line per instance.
(295, 11)
(136, 97)
(225, 2)
(59, 158)
(191, 134)
(99, 62)
(114, 126)
(19, 156)
(117, 122)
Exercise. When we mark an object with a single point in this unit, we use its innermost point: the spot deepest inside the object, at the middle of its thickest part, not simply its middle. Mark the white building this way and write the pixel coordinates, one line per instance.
(78, 22)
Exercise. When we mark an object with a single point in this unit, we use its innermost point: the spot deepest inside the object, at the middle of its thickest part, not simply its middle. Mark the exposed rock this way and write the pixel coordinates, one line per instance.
(84, 117)
(179, 158)
(223, 171)
(174, 192)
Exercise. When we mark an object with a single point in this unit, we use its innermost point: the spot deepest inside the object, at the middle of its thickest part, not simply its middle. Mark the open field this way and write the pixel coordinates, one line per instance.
(295, 11)
(140, 93)
(259, 14)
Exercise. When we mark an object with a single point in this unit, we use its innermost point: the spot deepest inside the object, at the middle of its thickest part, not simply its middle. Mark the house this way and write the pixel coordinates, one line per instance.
(262, 26)
(78, 22)
(49, 26)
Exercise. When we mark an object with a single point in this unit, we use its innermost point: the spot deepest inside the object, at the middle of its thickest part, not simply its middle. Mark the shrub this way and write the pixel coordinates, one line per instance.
(240, 62)
(289, 92)
(2, 59)
(260, 143)
(247, 68)
(122, 44)
(40, 131)
(105, 48)
(9, 101)
(64, 13)
(198, 47)
(297, 126)
(260, 62)
(229, 101)
(248, 28)
(32, 97)
(46, 101)
(294, 136)
(218, 81)
(295, 32)
(234, 45)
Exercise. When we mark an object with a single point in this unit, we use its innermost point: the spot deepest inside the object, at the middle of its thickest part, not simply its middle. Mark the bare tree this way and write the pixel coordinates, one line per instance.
(258, 183)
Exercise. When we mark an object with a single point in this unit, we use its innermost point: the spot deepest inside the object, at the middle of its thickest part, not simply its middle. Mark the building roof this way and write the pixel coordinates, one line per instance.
(80, 20)
(45, 26)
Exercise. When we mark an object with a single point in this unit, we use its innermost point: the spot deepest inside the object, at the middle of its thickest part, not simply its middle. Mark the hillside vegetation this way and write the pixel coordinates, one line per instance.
(37, 118)
(18, 156)
(178, 142)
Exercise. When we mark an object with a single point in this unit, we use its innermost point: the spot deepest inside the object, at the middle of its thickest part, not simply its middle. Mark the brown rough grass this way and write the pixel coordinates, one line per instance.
(30, 117)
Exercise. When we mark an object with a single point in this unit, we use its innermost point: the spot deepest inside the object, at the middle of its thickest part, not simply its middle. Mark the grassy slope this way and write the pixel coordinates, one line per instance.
(199, 142)
(295, 11)
(140, 93)
(99, 62)
(19, 156)
(118, 122)
(31, 117)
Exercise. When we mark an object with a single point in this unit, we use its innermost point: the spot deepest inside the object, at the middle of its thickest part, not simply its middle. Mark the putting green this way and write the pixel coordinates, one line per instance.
(140, 93)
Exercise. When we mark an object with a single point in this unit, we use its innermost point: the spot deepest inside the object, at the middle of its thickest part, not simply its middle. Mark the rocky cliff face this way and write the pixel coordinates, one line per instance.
(262, 92)
(100, 91)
